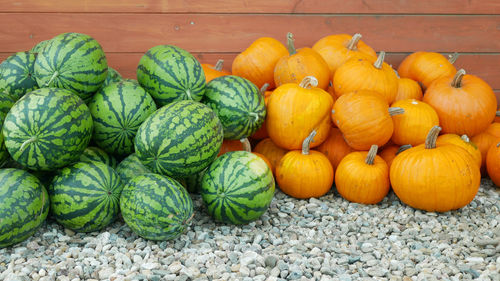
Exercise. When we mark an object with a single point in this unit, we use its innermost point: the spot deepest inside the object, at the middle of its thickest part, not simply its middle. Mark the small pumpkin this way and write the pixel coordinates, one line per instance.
(413, 126)
(485, 140)
(363, 177)
(493, 163)
(364, 118)
(464, 103)
(464, 142)
(305, 174)
(389, 152)
(299, 64)
(435, 178)
(335, 147)
(214, 71)
(257, 62)
(235, 145)
(367, 74)
(408, 89)
(293, 111)
(271, 151)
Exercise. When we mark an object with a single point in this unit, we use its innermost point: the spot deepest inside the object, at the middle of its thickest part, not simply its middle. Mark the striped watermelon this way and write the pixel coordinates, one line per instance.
(193, 183)
(113, 76)
(170, 73)
(72, 61)
(24, 205)
(238, 103)
(118, 110)
(16, 75)
(6, 103)
(93, 153)
(39, 47)
(156, 207)
(180, 139)
(131, 167)
(237, 187)
(47, 129)
(85, 197)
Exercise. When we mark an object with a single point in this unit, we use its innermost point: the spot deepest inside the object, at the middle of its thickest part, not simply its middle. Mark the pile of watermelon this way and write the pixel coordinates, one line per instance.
(81, 144)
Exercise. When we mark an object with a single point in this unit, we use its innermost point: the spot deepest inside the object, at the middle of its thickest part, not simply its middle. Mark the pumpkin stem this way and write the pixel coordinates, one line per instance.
(218, 66)
(246, 145)
(188, 93)
(465, 138)
(370, 157)
(290, 44)
(397, 74)
(353, 43)
(403, 148)
(430, 141)
(27, 142)
(54, 75)
(457, 80)
(380, 60)
(254, 115)
(453, 57)
(498, 144)
(396, 111)
(307, 143)
(308, 82)
(263, 89)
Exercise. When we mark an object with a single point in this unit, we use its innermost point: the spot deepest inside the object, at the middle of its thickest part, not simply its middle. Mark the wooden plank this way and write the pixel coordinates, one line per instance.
(233, 33)
(257, 6)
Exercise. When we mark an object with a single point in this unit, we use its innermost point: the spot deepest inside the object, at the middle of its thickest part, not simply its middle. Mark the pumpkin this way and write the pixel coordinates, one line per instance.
(389, 152)
(367, 74)
(271, 151)
(364, 118)
(363, 177)
(339, 48)
(300, 63)
(493, 163)
(305, 174)
(335, 147)
(214, 71)
(257, 62)
(485, 140)
(465, 104)
(293, 111)
(235, 145)
(412, 126)
(408, 89)
(261, 133)
(425, 67)
(464, 142)
(435, 178)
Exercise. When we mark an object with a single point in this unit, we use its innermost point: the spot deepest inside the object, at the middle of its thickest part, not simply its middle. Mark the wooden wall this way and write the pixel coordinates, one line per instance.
(220, 29)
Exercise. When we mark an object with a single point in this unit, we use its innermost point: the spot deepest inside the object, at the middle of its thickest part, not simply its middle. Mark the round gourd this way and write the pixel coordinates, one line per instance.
(412, 126)
(335, 147)
(17, 75)
(464, 142)
(214, 71)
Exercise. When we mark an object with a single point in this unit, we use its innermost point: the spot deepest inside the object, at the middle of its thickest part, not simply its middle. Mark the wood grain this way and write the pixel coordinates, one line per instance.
(233, 33)
(257, 6)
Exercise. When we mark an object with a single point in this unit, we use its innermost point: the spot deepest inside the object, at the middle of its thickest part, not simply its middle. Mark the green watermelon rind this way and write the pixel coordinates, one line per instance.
(131, 167)
(93, 153)
(17, 75)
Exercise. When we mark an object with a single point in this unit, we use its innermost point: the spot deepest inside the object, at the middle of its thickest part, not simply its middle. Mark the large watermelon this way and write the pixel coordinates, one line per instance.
(39, 46)
(118, 110)
(237, 187)
(24, 205)
(17, 75)
(113, 76)
(47, 129)
(170, 73)
(180, 139)
(131, 167)
(72, 61)
(85, 197)
(6, 103)
(93, 153)
(156, 207)
(238, 103)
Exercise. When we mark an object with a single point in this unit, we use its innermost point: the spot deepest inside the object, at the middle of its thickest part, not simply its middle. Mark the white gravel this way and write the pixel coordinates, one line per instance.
(317, 239)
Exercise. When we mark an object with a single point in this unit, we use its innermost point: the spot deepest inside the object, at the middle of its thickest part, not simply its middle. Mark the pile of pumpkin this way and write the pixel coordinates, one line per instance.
(337, 113)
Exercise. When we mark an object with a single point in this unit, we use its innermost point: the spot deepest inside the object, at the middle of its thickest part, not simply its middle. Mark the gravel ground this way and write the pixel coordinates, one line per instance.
(325, 239)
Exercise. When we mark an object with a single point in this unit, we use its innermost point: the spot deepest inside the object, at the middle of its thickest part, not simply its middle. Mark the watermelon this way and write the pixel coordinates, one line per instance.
(16, 75)
(6, 103)
(72, 61)
(118, 110)
(237, 188)
(24, 205)
(131, 167)
(113, 76)
(39, 47)
(180, 139)
(85, 197)
(47, 129)
(93, 153)
(193, 183)
(156, 207)
(170, 73)
(238, 103)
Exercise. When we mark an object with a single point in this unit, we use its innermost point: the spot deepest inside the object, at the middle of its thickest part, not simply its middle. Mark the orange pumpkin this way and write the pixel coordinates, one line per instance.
(363, 177)
(339, 48)
(465, 104)
(235, 145)
(293, 111)
(257, 62)
(364, 119)
(425, 67)
(493, 163)
(464, 142)
(305, 174)
(412, 126)
(299, 64)
(214, 71)
(389, 152)
(408, 89)
(485, 140)
(271, 151)
(367, 74)
(435, 178)
(335, 147)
